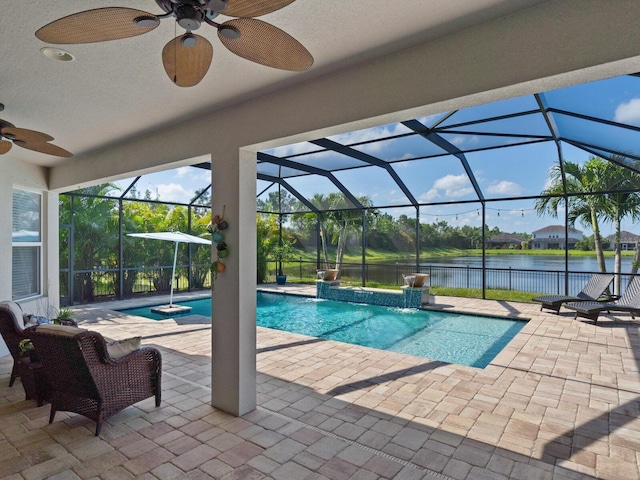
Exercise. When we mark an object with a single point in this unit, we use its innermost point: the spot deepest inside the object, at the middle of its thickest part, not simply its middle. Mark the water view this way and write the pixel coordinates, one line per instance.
(531, 262)
(526, 273)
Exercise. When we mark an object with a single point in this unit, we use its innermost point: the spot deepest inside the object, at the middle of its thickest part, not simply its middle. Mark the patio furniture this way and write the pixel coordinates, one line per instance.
(12, 330)
(594, 288)
(87, 379)
(34, 380)
(628, 302)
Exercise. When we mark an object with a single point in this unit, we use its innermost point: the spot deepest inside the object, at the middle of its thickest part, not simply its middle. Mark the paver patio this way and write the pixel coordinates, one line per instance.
(562, 401)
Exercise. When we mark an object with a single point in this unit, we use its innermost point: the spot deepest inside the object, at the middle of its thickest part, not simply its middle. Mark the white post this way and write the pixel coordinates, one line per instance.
(173, 272)
(233, 318)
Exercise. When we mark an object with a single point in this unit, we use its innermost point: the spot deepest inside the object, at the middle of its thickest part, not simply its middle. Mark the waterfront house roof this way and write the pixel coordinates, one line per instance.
(506, 238)
(625, 237)
(556, 228)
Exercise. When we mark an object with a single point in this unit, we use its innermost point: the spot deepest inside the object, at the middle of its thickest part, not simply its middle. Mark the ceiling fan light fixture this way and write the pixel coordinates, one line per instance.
(217, 5)
(147, 21)
(189, 24)
(189, 41)
(230, 33)
(55, 53)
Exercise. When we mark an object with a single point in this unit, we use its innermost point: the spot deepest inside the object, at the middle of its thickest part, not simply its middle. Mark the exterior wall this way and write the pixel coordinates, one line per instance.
(551, 243)
(16, 173)
(551, 240)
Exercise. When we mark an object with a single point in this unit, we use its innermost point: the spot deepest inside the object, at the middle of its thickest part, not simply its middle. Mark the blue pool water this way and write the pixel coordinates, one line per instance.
(449, 337)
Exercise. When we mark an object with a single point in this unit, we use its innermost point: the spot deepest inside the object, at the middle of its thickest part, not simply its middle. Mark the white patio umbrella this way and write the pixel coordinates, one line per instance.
(177, 237)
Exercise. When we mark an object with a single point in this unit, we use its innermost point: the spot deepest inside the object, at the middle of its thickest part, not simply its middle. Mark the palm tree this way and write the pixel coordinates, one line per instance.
(610, 197)
(620, 202)
(585, 208)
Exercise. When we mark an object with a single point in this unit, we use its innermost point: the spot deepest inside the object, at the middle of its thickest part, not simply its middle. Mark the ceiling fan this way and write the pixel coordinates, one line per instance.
(187, 58)
(29, 139)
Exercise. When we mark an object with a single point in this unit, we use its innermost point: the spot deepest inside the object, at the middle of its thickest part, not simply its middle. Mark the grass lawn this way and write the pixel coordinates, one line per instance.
(381, 256)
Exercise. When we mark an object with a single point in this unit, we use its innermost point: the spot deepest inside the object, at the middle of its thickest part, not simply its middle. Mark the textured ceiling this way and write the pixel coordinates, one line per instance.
(118, 90)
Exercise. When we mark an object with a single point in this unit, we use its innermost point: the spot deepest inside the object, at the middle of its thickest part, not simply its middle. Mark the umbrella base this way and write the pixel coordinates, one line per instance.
(171, 310)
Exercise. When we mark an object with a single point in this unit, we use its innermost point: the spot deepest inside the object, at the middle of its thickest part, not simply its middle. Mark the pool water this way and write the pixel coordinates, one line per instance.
(446, 336)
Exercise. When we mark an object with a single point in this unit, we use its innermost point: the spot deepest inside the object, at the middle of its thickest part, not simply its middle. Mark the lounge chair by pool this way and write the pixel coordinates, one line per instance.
(628, 302)
(594, 288)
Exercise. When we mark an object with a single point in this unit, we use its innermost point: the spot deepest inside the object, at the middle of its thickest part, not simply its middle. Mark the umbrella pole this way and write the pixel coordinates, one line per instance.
(173, 273)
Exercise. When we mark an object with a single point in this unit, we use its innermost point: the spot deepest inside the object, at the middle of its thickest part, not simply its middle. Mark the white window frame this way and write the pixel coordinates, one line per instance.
(22, 243)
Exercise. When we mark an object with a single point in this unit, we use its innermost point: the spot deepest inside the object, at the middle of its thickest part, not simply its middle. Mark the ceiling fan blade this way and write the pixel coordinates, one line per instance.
(253, 8)
(263, 43)
(44, 147)
(25, 135)
(98, 25)
(186, 59)
(4, 146)
(4, 124)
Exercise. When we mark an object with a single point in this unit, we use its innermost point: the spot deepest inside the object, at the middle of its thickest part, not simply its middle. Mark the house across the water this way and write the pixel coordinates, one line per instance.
(553, 237)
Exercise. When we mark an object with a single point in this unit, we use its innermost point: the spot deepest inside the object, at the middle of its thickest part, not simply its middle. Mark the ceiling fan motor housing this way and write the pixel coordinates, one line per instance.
(208, 7)
(189, 17)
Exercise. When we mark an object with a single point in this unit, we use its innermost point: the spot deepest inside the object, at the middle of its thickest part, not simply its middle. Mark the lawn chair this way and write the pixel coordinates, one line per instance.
(594, 288)
(87, 379)
(12, 330)
(628, 302)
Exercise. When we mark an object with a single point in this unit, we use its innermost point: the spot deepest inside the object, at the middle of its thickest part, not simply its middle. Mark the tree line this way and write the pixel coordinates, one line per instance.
(596, 192)
(94, 222)
(339, 226)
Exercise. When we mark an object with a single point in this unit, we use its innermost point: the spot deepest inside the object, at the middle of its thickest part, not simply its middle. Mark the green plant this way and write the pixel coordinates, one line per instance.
(25, 346)
(283, 251)
(63, 313)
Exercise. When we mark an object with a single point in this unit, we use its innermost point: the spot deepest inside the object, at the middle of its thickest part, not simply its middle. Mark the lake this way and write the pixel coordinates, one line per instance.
(527, 273)
(530, 262)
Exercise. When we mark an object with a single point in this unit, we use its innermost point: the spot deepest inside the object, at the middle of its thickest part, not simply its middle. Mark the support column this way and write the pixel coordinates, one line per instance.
(233, 318)
(51, 246)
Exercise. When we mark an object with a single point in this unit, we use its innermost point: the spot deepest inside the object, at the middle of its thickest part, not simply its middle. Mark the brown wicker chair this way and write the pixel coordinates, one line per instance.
(12, 330)
(86, 380)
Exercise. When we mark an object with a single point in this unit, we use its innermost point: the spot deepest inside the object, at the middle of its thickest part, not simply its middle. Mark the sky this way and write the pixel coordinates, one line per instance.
(513, 171)
(177, 185)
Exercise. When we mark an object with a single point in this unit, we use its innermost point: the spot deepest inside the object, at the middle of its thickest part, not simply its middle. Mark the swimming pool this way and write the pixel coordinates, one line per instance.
(446, 336)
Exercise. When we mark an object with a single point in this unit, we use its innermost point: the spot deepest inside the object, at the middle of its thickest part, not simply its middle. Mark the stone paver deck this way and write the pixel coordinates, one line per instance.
(561, 401)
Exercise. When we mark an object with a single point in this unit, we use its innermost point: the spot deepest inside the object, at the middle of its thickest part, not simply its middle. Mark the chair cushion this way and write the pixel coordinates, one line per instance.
(16, 310)
(63, 330)
(120, 348)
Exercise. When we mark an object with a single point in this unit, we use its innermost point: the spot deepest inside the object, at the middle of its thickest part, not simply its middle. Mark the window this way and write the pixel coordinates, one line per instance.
(26, 240)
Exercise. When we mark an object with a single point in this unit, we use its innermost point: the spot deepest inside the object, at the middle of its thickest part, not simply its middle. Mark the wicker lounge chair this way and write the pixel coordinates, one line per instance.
(594, 288)
(87, 380)
(628, 302)
(12, 330)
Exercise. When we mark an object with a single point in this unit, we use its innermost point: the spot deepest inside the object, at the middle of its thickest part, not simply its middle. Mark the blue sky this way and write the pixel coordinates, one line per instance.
(177, 185)
(514, 171)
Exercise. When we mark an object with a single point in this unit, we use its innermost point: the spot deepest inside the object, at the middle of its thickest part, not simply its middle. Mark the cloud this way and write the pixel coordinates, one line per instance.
(504, 188)
(172, 192)
(430, 195)
(467, 140)
(370, 134)
(296, 148)
(429, 119)
(628, 112)
(451, 186)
